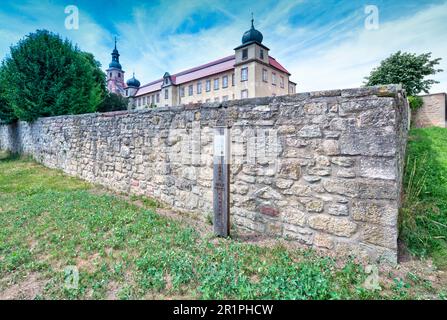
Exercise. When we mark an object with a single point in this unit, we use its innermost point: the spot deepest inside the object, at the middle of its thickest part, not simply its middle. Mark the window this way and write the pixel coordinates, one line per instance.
(153, 99)
(119, 75)
(144, 100)
(216, 99)
(110, 74)
(232, 79)
(182, 92)
(225, 82)
(127, 93)
(158, 97)
(190, 90)
(208, 85)
(244, 54)
(274, 78)
(244, 94)
(281, 81)
(225, 98)
(264, 75)
(199, 87)
(166, 94)
(166, 80)
(244, 74)
(216, 84)
(139, 102)
(261, 54)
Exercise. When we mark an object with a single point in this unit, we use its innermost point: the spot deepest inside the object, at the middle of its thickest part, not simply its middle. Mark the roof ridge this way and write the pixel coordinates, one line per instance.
(206, 65)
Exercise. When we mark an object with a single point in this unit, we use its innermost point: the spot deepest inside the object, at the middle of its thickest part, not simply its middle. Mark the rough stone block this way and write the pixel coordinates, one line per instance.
(377, 212)
(341, 227)
(379, 168)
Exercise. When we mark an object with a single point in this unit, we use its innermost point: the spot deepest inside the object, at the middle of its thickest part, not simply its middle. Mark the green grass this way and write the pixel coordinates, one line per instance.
(49, 221)
(424, 213)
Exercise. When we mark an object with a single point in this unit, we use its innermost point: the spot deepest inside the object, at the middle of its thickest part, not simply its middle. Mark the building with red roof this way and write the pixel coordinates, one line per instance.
(250, 72)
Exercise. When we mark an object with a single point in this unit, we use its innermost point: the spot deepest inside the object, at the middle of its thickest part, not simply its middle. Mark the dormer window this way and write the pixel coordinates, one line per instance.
(167, 79)
(244, 54)
(261, 54)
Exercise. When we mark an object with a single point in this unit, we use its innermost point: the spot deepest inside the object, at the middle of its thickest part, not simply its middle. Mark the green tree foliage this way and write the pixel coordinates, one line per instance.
(48, 76)
(113, 102)
(6, 112)
(408, 69)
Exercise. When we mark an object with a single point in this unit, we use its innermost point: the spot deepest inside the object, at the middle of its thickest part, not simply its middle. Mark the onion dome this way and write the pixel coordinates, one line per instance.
(252, 35)
(132, 82)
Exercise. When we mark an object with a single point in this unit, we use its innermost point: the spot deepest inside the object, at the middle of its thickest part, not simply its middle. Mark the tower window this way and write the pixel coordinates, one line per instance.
(119, 75)
(244, 54)
(261, 54)
(110, 74)
(244, 74)
(264, 75)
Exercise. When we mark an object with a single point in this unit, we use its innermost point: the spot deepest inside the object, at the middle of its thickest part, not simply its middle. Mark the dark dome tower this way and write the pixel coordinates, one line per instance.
(115, 74)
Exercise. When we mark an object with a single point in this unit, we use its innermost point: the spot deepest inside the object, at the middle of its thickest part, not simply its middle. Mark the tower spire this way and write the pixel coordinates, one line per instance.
(115, 42)
(252, 21)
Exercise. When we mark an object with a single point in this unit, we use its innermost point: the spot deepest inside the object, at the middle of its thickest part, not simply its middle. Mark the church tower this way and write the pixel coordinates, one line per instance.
(115, 74)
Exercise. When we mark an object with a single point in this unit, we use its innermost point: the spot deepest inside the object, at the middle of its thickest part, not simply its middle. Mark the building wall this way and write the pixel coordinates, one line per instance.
(432, 113)
(255, 86)
(323, 169)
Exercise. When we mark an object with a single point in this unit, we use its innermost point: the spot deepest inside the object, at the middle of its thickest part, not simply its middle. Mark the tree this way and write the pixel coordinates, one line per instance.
(113, 102)
(6, 113)
(48, 76)
(408, 69)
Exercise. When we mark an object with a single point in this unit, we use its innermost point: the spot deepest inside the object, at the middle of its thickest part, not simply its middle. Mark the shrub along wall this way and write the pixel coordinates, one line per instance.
(322, 168)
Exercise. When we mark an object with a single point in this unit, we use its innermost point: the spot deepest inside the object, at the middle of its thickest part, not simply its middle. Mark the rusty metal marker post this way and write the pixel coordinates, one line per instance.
(221, 181)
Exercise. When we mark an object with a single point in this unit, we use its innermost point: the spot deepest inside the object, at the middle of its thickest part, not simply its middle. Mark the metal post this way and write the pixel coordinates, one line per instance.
(221, 181)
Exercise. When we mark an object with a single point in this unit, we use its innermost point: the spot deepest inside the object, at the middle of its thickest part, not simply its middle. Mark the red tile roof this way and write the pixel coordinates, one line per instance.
(206, 70)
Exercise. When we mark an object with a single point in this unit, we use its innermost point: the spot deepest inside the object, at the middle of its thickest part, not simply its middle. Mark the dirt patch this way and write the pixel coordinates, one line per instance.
(88, 264)
(27, 288)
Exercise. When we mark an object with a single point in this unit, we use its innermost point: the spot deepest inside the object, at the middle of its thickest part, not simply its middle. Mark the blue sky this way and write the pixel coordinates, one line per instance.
(324, 44)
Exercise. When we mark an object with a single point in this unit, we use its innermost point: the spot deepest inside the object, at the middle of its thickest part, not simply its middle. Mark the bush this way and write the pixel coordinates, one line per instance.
(48, 76)
(415, 102)
(113, 102)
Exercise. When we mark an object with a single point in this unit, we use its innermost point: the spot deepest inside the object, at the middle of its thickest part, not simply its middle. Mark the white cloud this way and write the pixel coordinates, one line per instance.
(344, 64)
(90, 36)
(337, 54)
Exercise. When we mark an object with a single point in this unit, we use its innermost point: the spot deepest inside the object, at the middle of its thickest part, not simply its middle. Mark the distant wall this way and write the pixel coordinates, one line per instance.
(432, 113)
(321, 168)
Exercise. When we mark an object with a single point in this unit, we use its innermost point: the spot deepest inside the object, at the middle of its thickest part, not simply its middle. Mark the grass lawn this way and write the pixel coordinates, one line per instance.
(124, 250)
(424, 216)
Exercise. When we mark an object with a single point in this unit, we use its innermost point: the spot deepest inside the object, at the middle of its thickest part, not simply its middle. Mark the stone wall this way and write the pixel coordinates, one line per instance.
(320, 168)
(432, 113)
